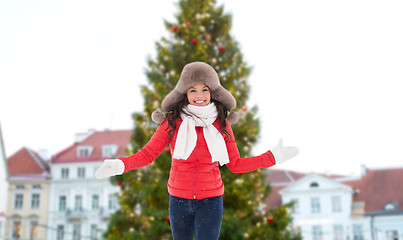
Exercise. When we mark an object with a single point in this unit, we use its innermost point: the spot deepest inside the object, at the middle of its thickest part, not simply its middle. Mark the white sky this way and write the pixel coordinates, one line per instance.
(326, 73)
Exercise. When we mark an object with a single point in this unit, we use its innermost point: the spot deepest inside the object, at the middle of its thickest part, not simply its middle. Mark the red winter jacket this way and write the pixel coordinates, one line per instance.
(197, 177)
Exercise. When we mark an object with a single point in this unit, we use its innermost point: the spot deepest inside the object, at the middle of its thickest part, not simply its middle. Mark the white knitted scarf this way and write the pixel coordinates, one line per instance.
(195, 116)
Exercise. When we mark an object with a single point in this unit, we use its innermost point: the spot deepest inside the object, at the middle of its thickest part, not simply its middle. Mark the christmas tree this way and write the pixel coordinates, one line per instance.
(201, 32)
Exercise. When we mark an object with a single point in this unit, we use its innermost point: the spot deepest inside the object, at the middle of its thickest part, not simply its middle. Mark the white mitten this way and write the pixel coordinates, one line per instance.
(110, 167)
(282, 154)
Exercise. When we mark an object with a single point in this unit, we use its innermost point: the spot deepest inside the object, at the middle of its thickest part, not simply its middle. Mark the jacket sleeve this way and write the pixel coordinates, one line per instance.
(150, 151)
(242, 165)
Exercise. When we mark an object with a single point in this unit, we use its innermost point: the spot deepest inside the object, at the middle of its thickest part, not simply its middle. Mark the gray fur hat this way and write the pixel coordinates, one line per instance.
(191, 74)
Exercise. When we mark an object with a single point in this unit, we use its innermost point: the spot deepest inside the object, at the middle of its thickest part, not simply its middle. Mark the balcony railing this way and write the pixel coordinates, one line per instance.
(106, 213)
(76, 214)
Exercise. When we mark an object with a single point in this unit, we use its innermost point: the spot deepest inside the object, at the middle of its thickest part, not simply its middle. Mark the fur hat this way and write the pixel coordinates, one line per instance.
(191, 74)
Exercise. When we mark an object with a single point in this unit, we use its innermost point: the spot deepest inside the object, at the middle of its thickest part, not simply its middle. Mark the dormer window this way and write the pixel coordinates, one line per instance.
(390, 206)
(109, 150)
(314, 185)
(84, 151)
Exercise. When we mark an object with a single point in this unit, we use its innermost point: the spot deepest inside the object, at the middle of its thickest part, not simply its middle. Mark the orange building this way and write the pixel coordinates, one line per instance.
(28, 194)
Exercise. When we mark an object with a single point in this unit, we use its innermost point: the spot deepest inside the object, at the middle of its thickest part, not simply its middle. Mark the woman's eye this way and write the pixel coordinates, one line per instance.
(205, 90)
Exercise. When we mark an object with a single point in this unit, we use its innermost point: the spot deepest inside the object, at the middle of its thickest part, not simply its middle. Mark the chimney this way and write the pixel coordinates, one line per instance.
(43, 153)
(363, 170)
(81, 136)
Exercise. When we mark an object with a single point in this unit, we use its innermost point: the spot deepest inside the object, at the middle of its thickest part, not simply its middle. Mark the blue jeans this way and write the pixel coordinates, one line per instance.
(203, 216)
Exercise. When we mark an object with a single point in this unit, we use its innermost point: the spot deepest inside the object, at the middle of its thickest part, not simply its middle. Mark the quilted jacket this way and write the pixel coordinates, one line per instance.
(196, 177)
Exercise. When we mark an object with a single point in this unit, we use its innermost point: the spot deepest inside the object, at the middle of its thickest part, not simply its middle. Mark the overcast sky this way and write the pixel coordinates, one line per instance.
(327, 74)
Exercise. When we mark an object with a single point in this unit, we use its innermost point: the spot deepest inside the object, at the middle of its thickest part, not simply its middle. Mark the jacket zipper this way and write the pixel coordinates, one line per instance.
(195, 172)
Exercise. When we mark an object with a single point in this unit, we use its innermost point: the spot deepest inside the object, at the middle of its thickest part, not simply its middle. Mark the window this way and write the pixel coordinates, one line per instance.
(390, 206)
(315, 205)
(76, 232)
(35, 201)
(95, 202)
(314, 185)
(60, 232)
(358, 208)
(112, 202)
(336, 204)
(338, 232)
(295, 207)
(95, 169)
(81, 172)
(19, 187)
(391, 235)
(33, 229)
(358, 233)
(84, 151)
(109, 150)
(16, 230)
(93, 233)
(62, 203)
(79, 203)
(317, 233)
(18, 201)
(65, 173)
(36, 186)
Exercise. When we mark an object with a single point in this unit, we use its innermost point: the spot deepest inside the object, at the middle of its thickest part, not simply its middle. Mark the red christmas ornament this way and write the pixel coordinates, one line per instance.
(168, 220)
(188, 24)
(174, 29)
(119, 183)
(270, 220)
(194, 41)
(168, 150)
(244, 109)
(222, 48)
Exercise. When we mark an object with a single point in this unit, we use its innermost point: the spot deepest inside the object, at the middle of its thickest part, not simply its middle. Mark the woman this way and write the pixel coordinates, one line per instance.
(200, 136)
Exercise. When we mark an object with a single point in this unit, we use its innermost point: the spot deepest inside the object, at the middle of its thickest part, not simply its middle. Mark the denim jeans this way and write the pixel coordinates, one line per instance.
(203, 216)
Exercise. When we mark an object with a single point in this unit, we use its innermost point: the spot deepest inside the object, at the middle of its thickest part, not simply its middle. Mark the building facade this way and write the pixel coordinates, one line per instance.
(324, 209)
(3, 186)
(28, 189)
(80, 205)
(367, 207)
(379, 194)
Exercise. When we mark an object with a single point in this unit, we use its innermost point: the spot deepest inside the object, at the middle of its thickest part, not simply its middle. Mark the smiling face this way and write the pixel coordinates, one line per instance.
(198, 95)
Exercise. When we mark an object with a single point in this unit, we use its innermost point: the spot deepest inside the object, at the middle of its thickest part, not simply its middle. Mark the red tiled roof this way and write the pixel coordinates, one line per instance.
(26, 161)
(274, 199)
(278, 176)
(121, 138)
(378, 187)
(279, 179)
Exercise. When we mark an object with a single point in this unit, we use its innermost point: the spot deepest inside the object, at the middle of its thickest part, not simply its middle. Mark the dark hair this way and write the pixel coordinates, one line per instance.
(175, 113)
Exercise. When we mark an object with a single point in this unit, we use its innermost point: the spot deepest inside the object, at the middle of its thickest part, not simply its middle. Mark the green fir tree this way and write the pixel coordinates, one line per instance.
(201, 32)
